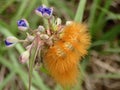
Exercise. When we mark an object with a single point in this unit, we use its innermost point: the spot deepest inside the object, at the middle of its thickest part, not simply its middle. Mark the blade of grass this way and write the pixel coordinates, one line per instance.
(21, 9)
(5, 5)
(100, 22)
(58, 87)
(110, 14)
(84, 63)
(93, 13)
(112, 76)
(63, 7)
(32, 3)
(15, 67)
(102, 14)
(113, 50)
(7, 80)
(99, 42)
(23, 75)
(39, 81)
(111, 34)
(5, 63)
(80, 11)
(11, 67)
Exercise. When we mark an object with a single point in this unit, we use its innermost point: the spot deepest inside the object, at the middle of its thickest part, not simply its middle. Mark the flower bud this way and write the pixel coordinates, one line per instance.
(28, 47)
(10, 41)
(68, 22)
(23, 24)
(44, 11)
(44, 36)
(41, 29)
(24, 57)
(58, 21)
(30, 37)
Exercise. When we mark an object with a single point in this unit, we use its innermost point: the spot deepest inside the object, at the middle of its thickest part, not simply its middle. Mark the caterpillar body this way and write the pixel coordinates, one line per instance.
(62, 59)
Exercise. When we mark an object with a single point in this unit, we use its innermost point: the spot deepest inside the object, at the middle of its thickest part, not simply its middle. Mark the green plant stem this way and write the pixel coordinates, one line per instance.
(45, 2)
(31, 64)
(93, 12)
(80, 11)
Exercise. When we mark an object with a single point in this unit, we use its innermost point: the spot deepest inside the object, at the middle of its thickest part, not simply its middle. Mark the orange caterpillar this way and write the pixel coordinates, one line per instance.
(62, 59)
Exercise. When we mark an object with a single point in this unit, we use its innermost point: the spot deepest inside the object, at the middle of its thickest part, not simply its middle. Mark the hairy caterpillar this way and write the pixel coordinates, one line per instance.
(62, 59)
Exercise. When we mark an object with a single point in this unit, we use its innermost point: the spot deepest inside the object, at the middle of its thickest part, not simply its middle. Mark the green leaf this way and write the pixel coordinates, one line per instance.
(113, 50)
(93, 14)
(99, 23)
(112, 33)
(5, 4)
(80, 11)
(109, 75)
(7, 80)
(61, 5)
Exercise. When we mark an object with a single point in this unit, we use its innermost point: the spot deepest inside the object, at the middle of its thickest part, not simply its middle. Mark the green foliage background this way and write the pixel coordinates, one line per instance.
(98, 15)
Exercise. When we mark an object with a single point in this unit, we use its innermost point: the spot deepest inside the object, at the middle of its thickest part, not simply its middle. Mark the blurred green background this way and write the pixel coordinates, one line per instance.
(100, 69)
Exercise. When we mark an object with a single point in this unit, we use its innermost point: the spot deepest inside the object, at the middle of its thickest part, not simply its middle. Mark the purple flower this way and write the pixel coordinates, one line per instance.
(44, 11)
(23, 24)
(10, 41)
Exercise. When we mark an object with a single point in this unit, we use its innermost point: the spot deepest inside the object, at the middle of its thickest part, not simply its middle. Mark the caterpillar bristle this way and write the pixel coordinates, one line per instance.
(62, 59)
(67, 78)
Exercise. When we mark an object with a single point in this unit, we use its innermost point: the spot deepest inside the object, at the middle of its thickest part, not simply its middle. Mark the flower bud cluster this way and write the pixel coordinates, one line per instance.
(39, 38)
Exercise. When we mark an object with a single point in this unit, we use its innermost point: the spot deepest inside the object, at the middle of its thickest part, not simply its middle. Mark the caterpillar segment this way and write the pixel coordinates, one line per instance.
(62, 59)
